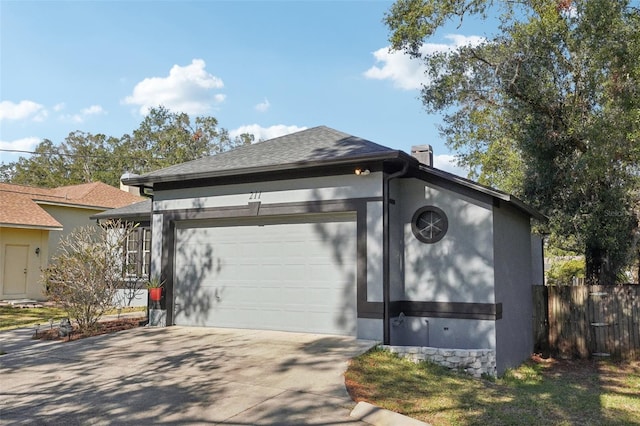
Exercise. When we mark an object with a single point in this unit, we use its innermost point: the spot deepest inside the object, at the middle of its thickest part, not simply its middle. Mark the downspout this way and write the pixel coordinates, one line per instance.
(386, 248)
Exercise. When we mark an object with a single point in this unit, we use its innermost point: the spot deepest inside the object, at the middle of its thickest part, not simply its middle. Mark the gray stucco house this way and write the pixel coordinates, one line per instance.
(323, 232)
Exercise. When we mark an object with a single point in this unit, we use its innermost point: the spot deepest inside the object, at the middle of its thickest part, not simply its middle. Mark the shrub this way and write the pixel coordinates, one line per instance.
(85, 274)
(564, 271)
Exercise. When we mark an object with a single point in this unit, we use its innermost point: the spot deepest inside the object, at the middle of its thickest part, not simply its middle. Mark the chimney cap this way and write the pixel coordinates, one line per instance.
(423, 153)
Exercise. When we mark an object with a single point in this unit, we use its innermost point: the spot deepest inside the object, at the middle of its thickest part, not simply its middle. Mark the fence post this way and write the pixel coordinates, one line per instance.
(540, 319)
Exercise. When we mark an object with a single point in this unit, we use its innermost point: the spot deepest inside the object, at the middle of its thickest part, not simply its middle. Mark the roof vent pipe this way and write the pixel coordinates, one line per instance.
(423, 153)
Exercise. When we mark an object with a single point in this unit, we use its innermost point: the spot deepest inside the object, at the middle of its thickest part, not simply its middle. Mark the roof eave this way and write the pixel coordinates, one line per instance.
(486, 190)
(70, 205)
(149, 181)
(31, 226)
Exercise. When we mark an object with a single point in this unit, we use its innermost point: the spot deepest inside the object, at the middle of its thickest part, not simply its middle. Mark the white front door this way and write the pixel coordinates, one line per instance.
(14, 281)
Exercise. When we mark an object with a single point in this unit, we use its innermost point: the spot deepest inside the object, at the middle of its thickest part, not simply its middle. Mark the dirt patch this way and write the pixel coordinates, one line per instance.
(584, 368)
(104, 327)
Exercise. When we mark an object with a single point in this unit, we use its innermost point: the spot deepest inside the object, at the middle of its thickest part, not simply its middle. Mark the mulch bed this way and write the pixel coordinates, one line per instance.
(104, 327)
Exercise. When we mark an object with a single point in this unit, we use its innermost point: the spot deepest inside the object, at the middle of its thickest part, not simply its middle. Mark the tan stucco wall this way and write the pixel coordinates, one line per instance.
(70, 218)
(32, 239)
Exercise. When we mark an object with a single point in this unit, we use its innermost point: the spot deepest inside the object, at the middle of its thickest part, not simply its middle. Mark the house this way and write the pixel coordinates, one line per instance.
(323, 232)
(32, 221)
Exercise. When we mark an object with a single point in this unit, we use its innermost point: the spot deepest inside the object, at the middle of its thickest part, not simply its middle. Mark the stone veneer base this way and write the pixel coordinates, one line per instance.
(473, 361)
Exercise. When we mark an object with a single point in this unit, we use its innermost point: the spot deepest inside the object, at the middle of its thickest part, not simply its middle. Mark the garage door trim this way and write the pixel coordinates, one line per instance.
(171, 218)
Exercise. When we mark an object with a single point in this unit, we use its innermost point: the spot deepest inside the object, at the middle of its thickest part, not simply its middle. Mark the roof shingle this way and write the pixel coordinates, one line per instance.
(316, 145)
(19, 204)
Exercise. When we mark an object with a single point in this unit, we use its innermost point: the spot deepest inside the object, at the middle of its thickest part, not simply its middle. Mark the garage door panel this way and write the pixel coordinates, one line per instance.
(285, 276)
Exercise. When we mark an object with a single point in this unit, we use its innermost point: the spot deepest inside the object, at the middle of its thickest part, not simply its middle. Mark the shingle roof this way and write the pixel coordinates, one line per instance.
(20, 210)
(308, 148)
(96, 194)
(19, 204)
(141, 211)
(315, 146)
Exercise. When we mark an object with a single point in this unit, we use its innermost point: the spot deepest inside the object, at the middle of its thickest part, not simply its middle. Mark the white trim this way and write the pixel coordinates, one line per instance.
(21, 226)
(78, 206)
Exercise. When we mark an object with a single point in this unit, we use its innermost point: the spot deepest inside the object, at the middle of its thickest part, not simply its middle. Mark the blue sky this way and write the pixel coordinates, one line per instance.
(266, 67)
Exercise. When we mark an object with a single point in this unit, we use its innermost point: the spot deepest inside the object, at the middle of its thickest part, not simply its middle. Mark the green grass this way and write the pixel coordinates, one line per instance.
(538, 392)
(11, 317)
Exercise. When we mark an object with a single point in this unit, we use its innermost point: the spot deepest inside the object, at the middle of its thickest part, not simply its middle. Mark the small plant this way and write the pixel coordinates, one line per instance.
(154, 283)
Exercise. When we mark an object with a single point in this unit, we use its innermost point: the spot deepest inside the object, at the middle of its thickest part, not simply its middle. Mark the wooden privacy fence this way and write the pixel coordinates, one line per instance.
(588, 321)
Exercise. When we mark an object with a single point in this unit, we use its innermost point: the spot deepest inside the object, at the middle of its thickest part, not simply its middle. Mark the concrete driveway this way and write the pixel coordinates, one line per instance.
(180, 375)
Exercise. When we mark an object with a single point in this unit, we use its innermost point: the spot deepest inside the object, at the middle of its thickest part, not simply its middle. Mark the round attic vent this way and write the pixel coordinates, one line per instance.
(429, 224)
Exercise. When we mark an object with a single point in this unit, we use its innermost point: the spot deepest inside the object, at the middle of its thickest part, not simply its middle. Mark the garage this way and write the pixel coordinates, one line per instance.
(289, 273)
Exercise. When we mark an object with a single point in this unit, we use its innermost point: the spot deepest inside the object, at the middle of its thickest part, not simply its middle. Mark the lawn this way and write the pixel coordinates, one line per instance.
(11, 317)
(541, 391)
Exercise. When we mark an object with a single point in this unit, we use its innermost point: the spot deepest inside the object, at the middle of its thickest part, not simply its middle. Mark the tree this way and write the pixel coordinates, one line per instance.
(87, 271)
(81, 158)
(6, 172)
(163, 138)
(548, 109)
(44, 168)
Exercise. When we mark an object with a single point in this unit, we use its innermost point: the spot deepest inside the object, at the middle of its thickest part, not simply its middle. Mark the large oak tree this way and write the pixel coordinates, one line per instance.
(548, 108)
(163, 138)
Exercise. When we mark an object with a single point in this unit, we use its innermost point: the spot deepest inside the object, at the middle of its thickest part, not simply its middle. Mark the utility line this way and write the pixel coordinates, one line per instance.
(19, 151)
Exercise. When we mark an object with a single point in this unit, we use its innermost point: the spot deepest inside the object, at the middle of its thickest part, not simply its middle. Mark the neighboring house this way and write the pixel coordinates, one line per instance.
(32, 221)
(323, 232)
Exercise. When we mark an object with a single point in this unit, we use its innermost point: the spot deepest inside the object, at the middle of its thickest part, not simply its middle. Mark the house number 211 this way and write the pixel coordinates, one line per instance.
(255, 195)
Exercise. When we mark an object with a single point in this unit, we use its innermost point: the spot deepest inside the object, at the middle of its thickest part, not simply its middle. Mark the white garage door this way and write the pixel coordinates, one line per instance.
(291, 274)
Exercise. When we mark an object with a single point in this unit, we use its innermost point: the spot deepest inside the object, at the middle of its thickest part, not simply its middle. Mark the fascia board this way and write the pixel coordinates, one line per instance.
(148, 181)
(24, 226)
(520, 205)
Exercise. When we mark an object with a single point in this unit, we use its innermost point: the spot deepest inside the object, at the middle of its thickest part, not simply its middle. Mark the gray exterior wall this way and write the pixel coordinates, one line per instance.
(537, 260)
(282, 191)
(463, 271)
(451, 333)
(512, 254)
(156, 245)
(230, 199)
(370, 329)
(374, 251)
(396, 240)
(459, 268)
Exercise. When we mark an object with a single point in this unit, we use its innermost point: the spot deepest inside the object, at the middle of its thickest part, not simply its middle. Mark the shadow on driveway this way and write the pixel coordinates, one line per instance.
(180, 375)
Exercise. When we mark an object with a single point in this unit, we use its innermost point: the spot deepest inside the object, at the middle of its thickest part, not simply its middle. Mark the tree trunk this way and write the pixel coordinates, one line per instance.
(598, 269)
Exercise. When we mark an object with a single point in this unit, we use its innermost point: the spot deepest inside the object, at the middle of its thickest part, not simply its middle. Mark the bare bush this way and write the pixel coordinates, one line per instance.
(85, 274)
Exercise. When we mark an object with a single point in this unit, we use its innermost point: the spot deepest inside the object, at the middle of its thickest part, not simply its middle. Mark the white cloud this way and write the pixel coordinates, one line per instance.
(264, 133)
(22, 110)
(187, 89)
(59, 107)
(24, 144)
(263, 106)
(83, 114)
(448, 163)
(92, 110)
(407, 73)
